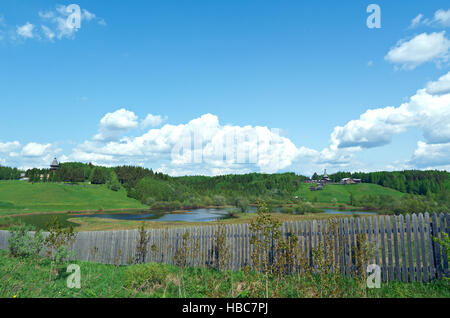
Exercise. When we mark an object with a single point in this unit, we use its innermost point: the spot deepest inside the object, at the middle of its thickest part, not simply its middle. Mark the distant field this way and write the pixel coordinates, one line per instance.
(342, 192)
(24, 197)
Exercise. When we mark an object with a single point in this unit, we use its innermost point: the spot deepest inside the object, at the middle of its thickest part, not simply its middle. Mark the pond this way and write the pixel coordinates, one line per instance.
(40, 221)
(196, 215)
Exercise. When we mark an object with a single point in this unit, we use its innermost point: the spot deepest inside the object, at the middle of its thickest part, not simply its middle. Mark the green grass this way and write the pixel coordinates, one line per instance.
(31, 278)
(24, 197)
(342, 192)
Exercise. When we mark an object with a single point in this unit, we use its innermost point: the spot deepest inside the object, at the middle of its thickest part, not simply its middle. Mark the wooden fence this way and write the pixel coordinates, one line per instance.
(403, 245)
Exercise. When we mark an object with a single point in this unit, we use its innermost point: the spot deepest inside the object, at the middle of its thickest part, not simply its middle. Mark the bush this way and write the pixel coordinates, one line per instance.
(287, 209)
(149, 201)
(145, 277)
(22, 244)
(232, 213)
(59, 241)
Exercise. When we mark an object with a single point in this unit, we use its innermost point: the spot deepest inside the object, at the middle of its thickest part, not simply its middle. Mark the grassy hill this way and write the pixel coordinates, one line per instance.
(24, 197)
(342, 192)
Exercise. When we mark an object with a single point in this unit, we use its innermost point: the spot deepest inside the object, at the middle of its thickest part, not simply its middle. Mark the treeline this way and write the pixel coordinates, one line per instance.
(7, 173)
(196, 191)
(407, 181)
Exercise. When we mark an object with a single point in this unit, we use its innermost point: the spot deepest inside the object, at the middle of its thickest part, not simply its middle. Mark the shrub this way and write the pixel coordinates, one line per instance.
(232, 213)
(145, 277)
(59, 241)
(149, 201)
(287, 209)
(22, 244)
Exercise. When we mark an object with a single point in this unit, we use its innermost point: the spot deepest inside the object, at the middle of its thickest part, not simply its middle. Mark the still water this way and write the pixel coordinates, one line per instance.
(40, 221)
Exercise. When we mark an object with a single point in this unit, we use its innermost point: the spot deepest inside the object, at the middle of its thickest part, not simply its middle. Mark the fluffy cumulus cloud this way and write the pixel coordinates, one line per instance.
(433, 47)
(31, 155)
(152, 121)
(34, 149)
(115, 124)
(202, 144)
(6, 147)
(441, 86)
(442, 17)
(428, 110)
(431, 155)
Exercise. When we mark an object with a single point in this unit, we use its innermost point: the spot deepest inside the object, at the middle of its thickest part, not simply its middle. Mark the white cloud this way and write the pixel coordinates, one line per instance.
(6, 147)
(431, 155)
(49, 34)
(442, 17)
(420, 49)
(113, 125)
(46, 14)
(202, 142)
(26, 30)
(416, 21)
(34, 149)
(441, 86)
(88, 16)
(426, 110)
(152, 121)
(59, 17)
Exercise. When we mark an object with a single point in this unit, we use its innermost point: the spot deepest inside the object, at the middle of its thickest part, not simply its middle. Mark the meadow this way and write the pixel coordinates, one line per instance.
(342, 193)
(30, 277)
(19, 197)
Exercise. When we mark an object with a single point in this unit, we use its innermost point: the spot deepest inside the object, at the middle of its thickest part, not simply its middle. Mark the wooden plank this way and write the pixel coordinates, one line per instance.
(401, 225)
(296, 233)
(410, 253)
(377, 241)
(352, 249)
(423, 248)
(389, 249)
(432, 266)
(310, 246)
(323, 239)
(341, 247)
(417, 248)
(361, 229)
(444, 229)
(437, 247)
(347, 259)
(383, 250)
(397, 268)
(369, 237)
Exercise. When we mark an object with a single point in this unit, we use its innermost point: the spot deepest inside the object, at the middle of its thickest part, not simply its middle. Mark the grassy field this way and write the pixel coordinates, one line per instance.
(18, 197)
(342, 192)
(31, 278)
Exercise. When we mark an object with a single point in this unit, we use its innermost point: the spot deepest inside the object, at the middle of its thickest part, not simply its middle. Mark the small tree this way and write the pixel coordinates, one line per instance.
(59, 241)
(242, 204)
(141, 247)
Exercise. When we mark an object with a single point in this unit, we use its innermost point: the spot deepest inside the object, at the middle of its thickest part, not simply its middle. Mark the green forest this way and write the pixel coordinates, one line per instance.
(424, 190)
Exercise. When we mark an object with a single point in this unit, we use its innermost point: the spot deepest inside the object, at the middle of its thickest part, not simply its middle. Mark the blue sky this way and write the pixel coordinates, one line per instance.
(302, 67)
